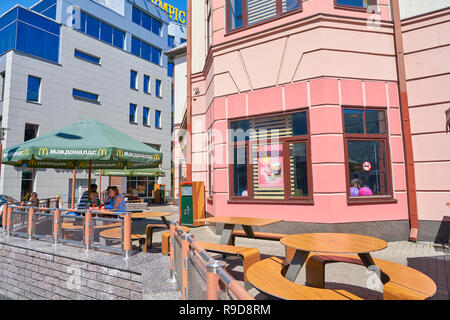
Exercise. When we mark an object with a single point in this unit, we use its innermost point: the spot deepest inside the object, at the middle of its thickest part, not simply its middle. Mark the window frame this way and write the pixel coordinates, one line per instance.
(135, 113)
(285, 141)
(389, 197)
(39, 89)
(245, 25)
(136, 77)
(77, 97)
(158, 89)
(159, 119)
(144, 109)
(354, 8)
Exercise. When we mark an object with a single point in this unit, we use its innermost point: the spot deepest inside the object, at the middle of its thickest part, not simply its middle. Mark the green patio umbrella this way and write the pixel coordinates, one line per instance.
(84, 145)
(153, 172)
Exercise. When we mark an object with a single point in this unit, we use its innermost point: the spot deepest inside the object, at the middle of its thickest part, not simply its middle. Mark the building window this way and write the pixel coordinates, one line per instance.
(171, 41)
(2, 86)
(85, 96)
(147, 84)
(170, 67)
(27, 183)
(145, 51)
(270, 158)
(141, 186)
(145, 116)
(182, 40)
(158, 88)
(31, 131)
(133, 80)
(133, 110)
(151, 24)
(366, 143)
(87, 57)
(157, 119)
(356, 3)
(243, 13)
(34, 88)
(98, 29)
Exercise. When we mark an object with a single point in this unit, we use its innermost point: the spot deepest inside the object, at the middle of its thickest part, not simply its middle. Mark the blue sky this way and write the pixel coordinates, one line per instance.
(7, 4)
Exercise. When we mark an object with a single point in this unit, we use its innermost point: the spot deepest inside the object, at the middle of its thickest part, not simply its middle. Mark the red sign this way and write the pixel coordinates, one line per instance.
(367, 166)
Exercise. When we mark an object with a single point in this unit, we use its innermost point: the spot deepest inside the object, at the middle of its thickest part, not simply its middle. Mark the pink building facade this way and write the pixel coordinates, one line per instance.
(296, 116)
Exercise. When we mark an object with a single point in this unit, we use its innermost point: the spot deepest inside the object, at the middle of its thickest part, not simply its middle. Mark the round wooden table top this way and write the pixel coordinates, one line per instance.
(334, 243)
(149, 215)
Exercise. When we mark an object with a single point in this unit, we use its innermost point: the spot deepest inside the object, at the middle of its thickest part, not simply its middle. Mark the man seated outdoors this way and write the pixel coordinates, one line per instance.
(93, 201)
(85, 197)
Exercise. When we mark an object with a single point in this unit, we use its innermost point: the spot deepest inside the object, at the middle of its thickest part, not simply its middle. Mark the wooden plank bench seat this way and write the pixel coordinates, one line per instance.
(404, 283)
(115, 233)
(70, 226)
(268, 276)
(165, 240)
(248, 255)
(149, 234)
(263, 236)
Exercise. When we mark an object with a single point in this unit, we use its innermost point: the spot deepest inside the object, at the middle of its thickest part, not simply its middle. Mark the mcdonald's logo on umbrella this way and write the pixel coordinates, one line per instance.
(119, 153)
(32, 163)
(43, 151)
(102, 152)
(26, 152)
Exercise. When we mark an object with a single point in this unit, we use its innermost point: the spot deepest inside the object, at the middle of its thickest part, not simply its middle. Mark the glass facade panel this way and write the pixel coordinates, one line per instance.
(136, 15)
(136, 46)
(375, 122)
(156, 27)
(356, 3)
(133, 79)
(146, 84)
(145, 113)
(8, 38)
(157, 119)
(132, 116)
(87, 57)
(79, 94)
(171, 41)
(33, 89)
(158, 88)
(170, 67)
(8, 18)
(43, 5)
(156, 56)
(298, 169)
(354, 121)
(37, 42)
(106, 33)
(240, 158)
(299, 124)
(146, 51)
(119, 38)
(367, 168)
(93, 27)
(235, 14)
(288, 5)
(50, 12)
(38, 21)
(146, 22)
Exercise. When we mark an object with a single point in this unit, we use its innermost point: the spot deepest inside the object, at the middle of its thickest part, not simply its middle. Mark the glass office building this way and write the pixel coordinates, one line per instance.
(66, 61)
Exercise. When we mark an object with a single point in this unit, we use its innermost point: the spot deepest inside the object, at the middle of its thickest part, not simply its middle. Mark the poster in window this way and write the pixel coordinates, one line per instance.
(270, 166)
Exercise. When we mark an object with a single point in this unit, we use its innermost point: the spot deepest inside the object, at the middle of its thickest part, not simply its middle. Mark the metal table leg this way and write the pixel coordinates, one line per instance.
(248, 231)
(296, 265)
(226, 233)
(167, 223)
(366, 258)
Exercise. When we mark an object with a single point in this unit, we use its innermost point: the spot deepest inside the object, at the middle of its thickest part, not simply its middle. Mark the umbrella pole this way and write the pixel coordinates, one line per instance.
(100, 184)
(89, 177)
(73, 187)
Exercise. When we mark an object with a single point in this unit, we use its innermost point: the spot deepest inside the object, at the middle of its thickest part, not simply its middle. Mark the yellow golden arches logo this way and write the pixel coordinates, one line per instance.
(32, 162)
(102, 152)
(26, 152)
(119, 153)
(119, 164)
(82, 165)
(43, 151)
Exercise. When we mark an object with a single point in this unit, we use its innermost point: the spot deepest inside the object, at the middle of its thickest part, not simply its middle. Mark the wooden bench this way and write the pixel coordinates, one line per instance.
(248, 255)
(404, 283)
(115, 234)
(149, 234)
(263, 236)
(70, 226)
(268, 276)
(165, 241)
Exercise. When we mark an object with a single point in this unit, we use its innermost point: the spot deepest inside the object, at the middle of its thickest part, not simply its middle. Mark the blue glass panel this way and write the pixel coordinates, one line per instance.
(133, 79)
(353, 3)
(157, 119)
(132, 116)
(289, 5)
(8, 18)
(50, 12)
(171, 41)
(145, 116)
(156, 56)
(33, 89)
(37, 42)
(136, 16)
(299, 124)
(136, 46)
(43, 5)
(83, 18)
(119, 38)
(8, 38)
(145, 51)
(87, 57)
(93, 27)
(106, 32)
(158, 88)
(235, 14)
(84, 95)
(156, 27)
(170, 69)
(146, 84)
(38, 21)
(182, 40)
(146, 21)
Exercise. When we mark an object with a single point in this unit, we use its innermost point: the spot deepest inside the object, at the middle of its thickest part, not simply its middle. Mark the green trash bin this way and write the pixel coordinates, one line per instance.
(186, 210)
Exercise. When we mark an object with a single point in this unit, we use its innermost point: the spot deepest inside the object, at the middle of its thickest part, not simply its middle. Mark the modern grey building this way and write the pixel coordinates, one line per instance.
(64, 61)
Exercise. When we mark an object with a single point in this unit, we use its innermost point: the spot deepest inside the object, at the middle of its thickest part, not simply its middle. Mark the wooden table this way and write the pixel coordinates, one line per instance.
(246, 223)
(150, 215)
(306, 243)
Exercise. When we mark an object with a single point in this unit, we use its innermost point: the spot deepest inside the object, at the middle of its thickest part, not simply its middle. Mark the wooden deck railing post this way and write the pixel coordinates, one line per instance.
(127, 234)
(4, 216)
(30, 223)
(56, 224)
(8, 221)
(184, 262)
(87, 230)
(212, 279)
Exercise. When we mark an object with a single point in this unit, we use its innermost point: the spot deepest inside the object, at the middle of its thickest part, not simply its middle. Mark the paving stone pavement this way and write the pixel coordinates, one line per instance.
(423, 256)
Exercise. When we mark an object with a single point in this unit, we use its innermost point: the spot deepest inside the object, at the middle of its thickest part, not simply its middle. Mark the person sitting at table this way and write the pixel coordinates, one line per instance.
(33, 200)
(93, 201)
(115, 200)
